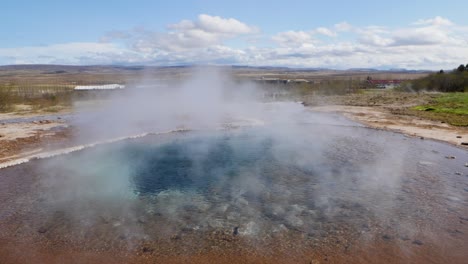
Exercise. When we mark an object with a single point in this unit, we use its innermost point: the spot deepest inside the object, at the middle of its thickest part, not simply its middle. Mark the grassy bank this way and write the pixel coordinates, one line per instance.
(11, 102)
(451, 108)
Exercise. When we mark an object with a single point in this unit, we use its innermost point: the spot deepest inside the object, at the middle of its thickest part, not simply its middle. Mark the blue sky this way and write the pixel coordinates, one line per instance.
(284, 33)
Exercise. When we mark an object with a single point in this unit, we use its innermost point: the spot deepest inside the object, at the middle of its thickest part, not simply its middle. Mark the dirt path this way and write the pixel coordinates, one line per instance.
(383, 118)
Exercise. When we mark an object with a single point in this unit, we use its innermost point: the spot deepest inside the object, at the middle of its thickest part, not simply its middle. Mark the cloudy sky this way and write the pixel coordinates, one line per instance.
(329, 34)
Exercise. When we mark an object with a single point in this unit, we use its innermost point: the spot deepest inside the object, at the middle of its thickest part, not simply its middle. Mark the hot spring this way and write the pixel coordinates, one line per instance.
(321, 186)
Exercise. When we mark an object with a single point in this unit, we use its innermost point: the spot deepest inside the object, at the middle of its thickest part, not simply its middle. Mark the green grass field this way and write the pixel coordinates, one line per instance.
(449, 107)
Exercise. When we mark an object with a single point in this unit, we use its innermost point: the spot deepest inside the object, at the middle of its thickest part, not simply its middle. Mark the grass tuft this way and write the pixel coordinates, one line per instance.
(449, 107)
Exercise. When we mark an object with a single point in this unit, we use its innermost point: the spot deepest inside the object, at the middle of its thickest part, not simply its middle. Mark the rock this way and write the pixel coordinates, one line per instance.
(147, 249)
(457, 173)
(365, 226)
(455, 232)
(105, 219)
(175, 237)
(42, 230)
(386, 237)
(187, 229)
(453, 198)
(466, 164)
(450, 157)
(294, 221)
(427, 163)
(346, 247)
(235, 231)
(251, 228)
(421, 137)
(404, 238)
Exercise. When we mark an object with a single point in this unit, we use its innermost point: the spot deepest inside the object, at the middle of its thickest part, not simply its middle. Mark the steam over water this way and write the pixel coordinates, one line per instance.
(276, 173)
(255, 182)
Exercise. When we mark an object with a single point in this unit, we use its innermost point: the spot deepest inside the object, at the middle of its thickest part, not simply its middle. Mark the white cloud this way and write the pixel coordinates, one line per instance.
(427, 44)
(293, 38)
(218, 24)
(374, 39)
(431, 44)
(325, 31)
(343, 26)
(436, 21)
(67, 53)
(204, 32)
(182, 25)
(113, 35)
(420, 36)
(214, 25)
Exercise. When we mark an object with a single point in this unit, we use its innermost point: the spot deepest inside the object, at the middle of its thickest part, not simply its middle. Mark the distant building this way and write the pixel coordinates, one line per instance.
(271, 81)
(383, 84)
(99, 87)
(298, 81)
(280, 81)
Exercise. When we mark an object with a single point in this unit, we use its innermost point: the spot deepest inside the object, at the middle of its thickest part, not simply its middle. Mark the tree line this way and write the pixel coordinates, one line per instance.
(453, 81)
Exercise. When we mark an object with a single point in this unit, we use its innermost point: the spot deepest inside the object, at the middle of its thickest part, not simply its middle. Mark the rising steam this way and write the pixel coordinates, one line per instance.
(283, 168)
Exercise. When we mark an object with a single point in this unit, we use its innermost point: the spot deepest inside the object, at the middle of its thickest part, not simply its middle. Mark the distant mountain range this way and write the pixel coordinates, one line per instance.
(57, 69)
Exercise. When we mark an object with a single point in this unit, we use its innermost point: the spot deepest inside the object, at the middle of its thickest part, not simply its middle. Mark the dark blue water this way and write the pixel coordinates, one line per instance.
(198, 164)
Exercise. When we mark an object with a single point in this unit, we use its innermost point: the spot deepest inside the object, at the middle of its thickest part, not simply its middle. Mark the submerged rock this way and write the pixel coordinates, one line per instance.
(42, 230)
(405, 238)
(386, 237)
(427, 163)
(251, 228)
(147, 249)
(294, 221)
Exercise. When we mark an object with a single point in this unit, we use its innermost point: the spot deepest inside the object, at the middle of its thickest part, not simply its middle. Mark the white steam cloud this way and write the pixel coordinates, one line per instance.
(256, 169)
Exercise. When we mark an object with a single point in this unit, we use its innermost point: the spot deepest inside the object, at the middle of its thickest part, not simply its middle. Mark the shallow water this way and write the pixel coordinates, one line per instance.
(312, 180)
(30, 119)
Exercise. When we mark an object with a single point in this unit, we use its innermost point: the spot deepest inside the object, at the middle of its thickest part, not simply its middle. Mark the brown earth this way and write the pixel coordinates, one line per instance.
(368, 246)
(18, 140)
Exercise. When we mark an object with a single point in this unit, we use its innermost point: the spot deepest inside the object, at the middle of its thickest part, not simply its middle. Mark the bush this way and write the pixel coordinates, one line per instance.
(5, 99)
(455, 81)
